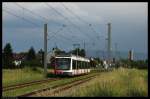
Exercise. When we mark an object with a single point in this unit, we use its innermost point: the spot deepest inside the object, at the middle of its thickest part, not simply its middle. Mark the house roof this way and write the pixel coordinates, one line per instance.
(18, 56)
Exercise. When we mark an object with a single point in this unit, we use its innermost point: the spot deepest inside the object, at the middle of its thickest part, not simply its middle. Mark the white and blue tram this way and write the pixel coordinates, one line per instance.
(71, 65)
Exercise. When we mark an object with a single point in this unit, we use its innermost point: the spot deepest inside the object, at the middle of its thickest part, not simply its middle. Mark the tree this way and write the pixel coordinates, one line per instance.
(75, 51)
(41, 57)
(58, 51)
(40, 51)
(80, 52)
(31, 59)
(8, 56)
(31, 54)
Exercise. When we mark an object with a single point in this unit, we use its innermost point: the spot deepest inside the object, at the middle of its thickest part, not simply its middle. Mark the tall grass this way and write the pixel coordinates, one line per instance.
(28, 89)
(120, 82)
(14, 76)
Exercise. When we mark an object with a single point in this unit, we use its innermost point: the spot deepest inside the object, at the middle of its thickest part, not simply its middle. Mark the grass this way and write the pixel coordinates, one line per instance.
(15, 76)
(120, 82)
(32, 88)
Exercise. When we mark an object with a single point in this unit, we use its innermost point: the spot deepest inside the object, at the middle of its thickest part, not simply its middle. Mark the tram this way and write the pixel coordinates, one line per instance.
(71, 65)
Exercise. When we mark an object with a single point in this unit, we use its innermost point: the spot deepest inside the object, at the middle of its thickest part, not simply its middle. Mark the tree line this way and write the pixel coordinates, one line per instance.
(140, 64)
(33, 59)
(30, 58)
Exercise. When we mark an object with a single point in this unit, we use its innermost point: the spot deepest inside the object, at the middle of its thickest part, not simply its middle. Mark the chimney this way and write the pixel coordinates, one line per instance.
(130, 55)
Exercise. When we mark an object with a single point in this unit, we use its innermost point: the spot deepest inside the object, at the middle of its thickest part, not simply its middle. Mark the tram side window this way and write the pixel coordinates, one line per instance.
(82, 64)
(74, 64)
(89, 65)
(86, 65)
(78, 62)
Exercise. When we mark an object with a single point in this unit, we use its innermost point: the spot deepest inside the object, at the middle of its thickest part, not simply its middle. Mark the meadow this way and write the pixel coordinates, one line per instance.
(116, 83)
(28, 89)
(15, 76)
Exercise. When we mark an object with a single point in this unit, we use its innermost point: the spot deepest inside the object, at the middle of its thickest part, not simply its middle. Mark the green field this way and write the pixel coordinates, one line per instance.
(117, 83)
(14, 76)
(28, 89)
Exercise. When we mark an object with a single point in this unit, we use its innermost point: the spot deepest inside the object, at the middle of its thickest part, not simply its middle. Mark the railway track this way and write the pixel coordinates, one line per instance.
(11, 87)
(60, 87)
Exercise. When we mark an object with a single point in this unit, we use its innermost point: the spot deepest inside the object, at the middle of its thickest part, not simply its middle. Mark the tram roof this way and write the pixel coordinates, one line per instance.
(71, 55)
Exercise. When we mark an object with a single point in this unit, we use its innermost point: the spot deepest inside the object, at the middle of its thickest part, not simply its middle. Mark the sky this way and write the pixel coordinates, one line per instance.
(24, 27)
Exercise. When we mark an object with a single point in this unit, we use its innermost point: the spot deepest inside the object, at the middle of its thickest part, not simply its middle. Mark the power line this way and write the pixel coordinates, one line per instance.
(58, 30)
(90, 25)
(61, 15)
(65, 18)
(73, 35)
(56, 33)
(73, 13)
(31, 12)
(42, 17)
(30, 21)
(20, 17)
(63, 38)
(59, 34)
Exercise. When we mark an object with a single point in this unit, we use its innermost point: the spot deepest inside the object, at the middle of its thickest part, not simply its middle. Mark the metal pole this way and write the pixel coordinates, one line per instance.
(77, 46)
(45, 50)
(116, 52)
(75, 61)
(109, 41)
(84, 45)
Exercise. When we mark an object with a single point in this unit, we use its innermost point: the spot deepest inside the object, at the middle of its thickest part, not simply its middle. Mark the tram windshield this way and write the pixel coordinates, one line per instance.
(63, 63)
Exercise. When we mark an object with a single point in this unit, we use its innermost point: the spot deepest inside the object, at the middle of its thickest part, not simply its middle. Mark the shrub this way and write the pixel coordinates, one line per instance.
(32, 63)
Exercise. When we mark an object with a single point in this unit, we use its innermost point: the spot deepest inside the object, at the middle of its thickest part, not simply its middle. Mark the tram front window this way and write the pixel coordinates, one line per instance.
(63, 64)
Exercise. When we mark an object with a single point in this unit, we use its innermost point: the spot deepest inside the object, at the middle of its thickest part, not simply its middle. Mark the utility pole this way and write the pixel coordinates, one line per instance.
(116, 50)
(84, 44)
(45, 50)
(109, 40)
(77, 46)
(84, 47)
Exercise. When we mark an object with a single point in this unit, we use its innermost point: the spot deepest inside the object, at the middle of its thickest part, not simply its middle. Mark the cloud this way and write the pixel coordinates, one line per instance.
(128, 19)
(43, 10)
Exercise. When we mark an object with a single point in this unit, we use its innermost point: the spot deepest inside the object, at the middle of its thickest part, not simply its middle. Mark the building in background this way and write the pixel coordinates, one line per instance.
(130, 55)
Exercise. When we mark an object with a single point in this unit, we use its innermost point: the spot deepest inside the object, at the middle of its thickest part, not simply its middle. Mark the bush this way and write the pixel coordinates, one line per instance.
(32, 63)
(140, 64)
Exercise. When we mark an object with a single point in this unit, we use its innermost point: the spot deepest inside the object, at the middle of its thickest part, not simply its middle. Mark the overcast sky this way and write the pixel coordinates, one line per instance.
(128, 21)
